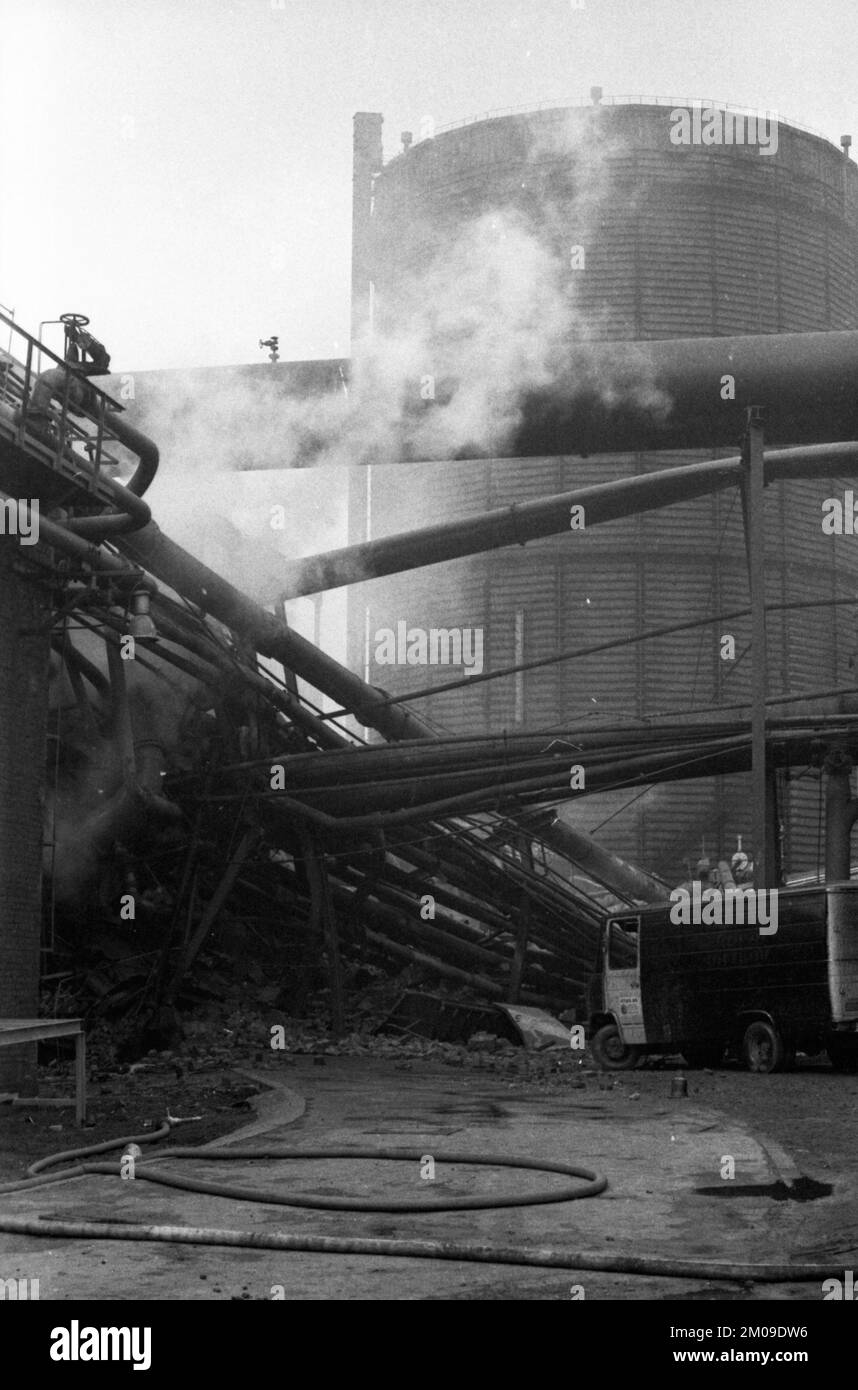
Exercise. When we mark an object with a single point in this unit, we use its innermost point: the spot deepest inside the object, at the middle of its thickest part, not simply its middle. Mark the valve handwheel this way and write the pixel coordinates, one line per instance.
(75, 320)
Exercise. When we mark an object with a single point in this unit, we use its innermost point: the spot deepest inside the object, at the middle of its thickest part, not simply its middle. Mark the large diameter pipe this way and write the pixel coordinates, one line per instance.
(101, 560)
(620, 397)
(548, 516)
(270, 636)
(153, 551)
(607, 868)
(679, 393)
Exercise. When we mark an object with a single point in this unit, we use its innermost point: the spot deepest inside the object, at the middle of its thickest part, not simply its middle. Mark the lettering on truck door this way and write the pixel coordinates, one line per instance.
(623, 978)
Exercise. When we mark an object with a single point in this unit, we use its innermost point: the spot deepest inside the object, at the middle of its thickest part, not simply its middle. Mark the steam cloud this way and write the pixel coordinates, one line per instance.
(488, 315)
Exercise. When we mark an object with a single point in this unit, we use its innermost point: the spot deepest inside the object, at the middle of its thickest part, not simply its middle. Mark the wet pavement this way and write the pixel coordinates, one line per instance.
(667, 1161)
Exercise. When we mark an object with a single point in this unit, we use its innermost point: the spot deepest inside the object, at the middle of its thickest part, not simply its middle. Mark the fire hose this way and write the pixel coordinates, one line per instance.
(468, 1252)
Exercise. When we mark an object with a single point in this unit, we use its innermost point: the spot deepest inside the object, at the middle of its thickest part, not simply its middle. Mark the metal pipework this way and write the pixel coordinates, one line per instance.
(101, 561)
(269, 635)
(548, 516)
(134, 512)
(627, 397)
(676, 393)
(607, 868)
(75, 390)
(145, 449)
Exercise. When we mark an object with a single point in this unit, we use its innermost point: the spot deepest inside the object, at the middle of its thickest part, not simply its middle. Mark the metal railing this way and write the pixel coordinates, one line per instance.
(71, 439)
(701, 103)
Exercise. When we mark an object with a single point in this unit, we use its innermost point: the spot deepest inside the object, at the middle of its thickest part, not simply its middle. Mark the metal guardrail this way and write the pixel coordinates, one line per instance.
(75, 434)
(701, 103)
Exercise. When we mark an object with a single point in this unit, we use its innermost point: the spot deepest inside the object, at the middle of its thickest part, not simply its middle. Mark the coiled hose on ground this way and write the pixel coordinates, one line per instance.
(469, 1252)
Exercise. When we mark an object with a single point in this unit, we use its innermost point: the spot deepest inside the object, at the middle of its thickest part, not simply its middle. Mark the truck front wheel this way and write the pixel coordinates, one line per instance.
(610, 1052)
(763, 1048)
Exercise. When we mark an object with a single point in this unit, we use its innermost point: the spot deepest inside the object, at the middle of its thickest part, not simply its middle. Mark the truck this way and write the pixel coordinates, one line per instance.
(708, 991)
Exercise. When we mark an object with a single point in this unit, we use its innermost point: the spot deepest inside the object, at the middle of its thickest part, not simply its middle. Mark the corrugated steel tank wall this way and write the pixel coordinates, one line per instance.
(680, 241)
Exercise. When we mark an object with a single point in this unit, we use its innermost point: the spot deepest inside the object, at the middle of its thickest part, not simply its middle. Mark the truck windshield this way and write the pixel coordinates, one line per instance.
(622, 947)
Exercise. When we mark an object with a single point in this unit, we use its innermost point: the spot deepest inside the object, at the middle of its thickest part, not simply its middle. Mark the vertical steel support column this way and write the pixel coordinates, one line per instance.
(522, 928)
(367, 159)
(24, 655)
(755, 542)
(323, 916)
(520, 955)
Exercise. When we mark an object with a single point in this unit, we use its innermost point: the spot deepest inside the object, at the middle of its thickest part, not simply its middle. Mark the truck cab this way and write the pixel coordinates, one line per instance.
(615, 1005)
(705, 990)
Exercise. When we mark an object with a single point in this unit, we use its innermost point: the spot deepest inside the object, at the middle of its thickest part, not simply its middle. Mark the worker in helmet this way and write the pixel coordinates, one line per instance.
(80, 345)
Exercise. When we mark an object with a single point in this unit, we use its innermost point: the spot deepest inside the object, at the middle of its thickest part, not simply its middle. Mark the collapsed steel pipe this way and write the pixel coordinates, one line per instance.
(269, 635)
(377, 760)
(548, 516)
(175, 628)
(708, 760)
(234, 609)
(607, 868)
(396, 790)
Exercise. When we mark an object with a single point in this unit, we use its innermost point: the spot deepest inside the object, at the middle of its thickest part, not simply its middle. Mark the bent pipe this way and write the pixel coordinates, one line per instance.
(146, 451)
(133, 512)
(128, 815)
(79, 548)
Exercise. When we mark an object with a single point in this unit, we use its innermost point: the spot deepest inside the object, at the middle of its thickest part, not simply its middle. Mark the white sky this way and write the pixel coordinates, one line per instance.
(180, 170)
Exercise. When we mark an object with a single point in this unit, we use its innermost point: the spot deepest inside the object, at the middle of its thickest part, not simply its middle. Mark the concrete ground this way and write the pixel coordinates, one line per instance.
(663, 1157)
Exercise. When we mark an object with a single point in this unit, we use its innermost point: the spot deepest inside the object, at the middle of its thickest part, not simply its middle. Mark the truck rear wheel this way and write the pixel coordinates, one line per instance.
(763, 1048)
(610, 1052)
